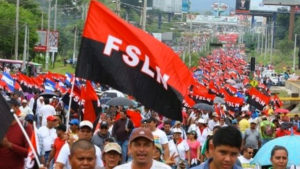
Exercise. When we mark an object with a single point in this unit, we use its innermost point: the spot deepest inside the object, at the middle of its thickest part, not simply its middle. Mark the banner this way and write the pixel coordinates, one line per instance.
(116, 53)
(242, 6)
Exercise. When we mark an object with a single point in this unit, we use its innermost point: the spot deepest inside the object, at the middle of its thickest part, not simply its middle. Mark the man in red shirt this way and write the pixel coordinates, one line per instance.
(14, 147)
(283, 131)
(58, 143)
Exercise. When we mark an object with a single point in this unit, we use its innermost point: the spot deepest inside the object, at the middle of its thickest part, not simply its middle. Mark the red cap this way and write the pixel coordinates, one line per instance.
(51, 118)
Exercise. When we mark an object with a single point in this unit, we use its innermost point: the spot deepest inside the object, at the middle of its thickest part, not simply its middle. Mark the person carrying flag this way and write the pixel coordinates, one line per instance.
(14, 147)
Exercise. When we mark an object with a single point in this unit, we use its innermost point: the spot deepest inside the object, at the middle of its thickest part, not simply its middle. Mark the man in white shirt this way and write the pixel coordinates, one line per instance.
(25, 109)
(39, 104)
(85, 132)
(179, 147)
(246, 158)
(160, 137)
(213, 122)
(47, 135)
(45, 111)
(202, 131)
(141, 146)
(83, 155)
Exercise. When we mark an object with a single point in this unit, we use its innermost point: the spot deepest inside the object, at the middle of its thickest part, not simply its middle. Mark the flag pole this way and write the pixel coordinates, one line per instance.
(27, 139)
(70, 103)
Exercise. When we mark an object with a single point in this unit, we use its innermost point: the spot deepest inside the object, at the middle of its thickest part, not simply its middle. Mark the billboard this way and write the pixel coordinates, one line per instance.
(41, 45)
(282, 2)
(219, 7)
(258, 5)
(53, 41)
(169, 6)
(185, 6)
(222, 20)
(242, 6)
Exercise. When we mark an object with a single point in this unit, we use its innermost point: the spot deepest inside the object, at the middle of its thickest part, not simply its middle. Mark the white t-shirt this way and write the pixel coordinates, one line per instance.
(246, 163)
(155, 165)
(202, 136)
(45, 111)
(48, 136)
(212, 124)
(160, 137)
(31, 103)
(25, 111)
(39, 105)
(63, 156)
(205, 116)
(181, 149)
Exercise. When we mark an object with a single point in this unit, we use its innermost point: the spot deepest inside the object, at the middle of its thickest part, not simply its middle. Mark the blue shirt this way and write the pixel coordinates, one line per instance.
(205, 165)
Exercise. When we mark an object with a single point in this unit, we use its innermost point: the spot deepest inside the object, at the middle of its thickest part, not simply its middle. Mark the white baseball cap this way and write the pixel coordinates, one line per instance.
(252, 121)
(86, 123)
(202, 121)
(176, 130)
(112, 147)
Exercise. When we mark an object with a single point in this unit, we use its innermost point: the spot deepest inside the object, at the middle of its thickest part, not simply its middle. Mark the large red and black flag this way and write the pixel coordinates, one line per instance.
(6, 117)
(257, 99)
(128, 59)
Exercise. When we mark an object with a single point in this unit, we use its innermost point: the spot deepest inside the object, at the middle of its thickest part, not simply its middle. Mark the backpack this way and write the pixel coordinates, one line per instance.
(268, 131)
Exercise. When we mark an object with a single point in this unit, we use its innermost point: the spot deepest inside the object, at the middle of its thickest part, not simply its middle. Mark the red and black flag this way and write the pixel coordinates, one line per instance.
(116, 53)
(257, 99)
(233, 103)
(89, 95)
(276, 101)
(201, 95)
(6, 117)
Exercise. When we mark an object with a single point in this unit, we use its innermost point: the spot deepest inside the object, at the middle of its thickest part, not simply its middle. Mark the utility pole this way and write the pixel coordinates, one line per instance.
(266, 43)
(42, 24)
(295, 48)
(142, 11)
(118, 7)
(74, 45)
(262, 40)
(292, 22)
(144, 15)
(54, 26)
(28, 37)
(48, 32)
(183, 56)
(17, 30)
(272, 41)
(258, 42)
(190, 37)
(24, 49)
(55, 15)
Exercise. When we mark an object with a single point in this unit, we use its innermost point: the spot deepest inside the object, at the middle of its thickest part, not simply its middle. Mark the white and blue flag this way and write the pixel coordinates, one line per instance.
(10, 82)
(49, 86)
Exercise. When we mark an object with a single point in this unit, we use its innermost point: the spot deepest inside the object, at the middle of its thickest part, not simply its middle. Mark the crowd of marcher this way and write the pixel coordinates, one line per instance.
(228, 136)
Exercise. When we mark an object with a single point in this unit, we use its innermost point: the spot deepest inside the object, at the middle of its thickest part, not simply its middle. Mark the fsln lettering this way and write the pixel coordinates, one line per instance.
(132, 59)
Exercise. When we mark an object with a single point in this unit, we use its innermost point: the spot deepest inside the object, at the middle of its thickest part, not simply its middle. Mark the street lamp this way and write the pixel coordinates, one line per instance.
(295, 48)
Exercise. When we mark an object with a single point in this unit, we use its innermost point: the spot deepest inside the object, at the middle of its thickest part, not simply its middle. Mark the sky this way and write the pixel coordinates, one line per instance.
(205, 5)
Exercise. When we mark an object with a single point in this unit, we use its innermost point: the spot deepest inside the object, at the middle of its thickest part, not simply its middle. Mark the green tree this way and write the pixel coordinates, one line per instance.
(282, 26)
(30, 5)
(7, 28)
